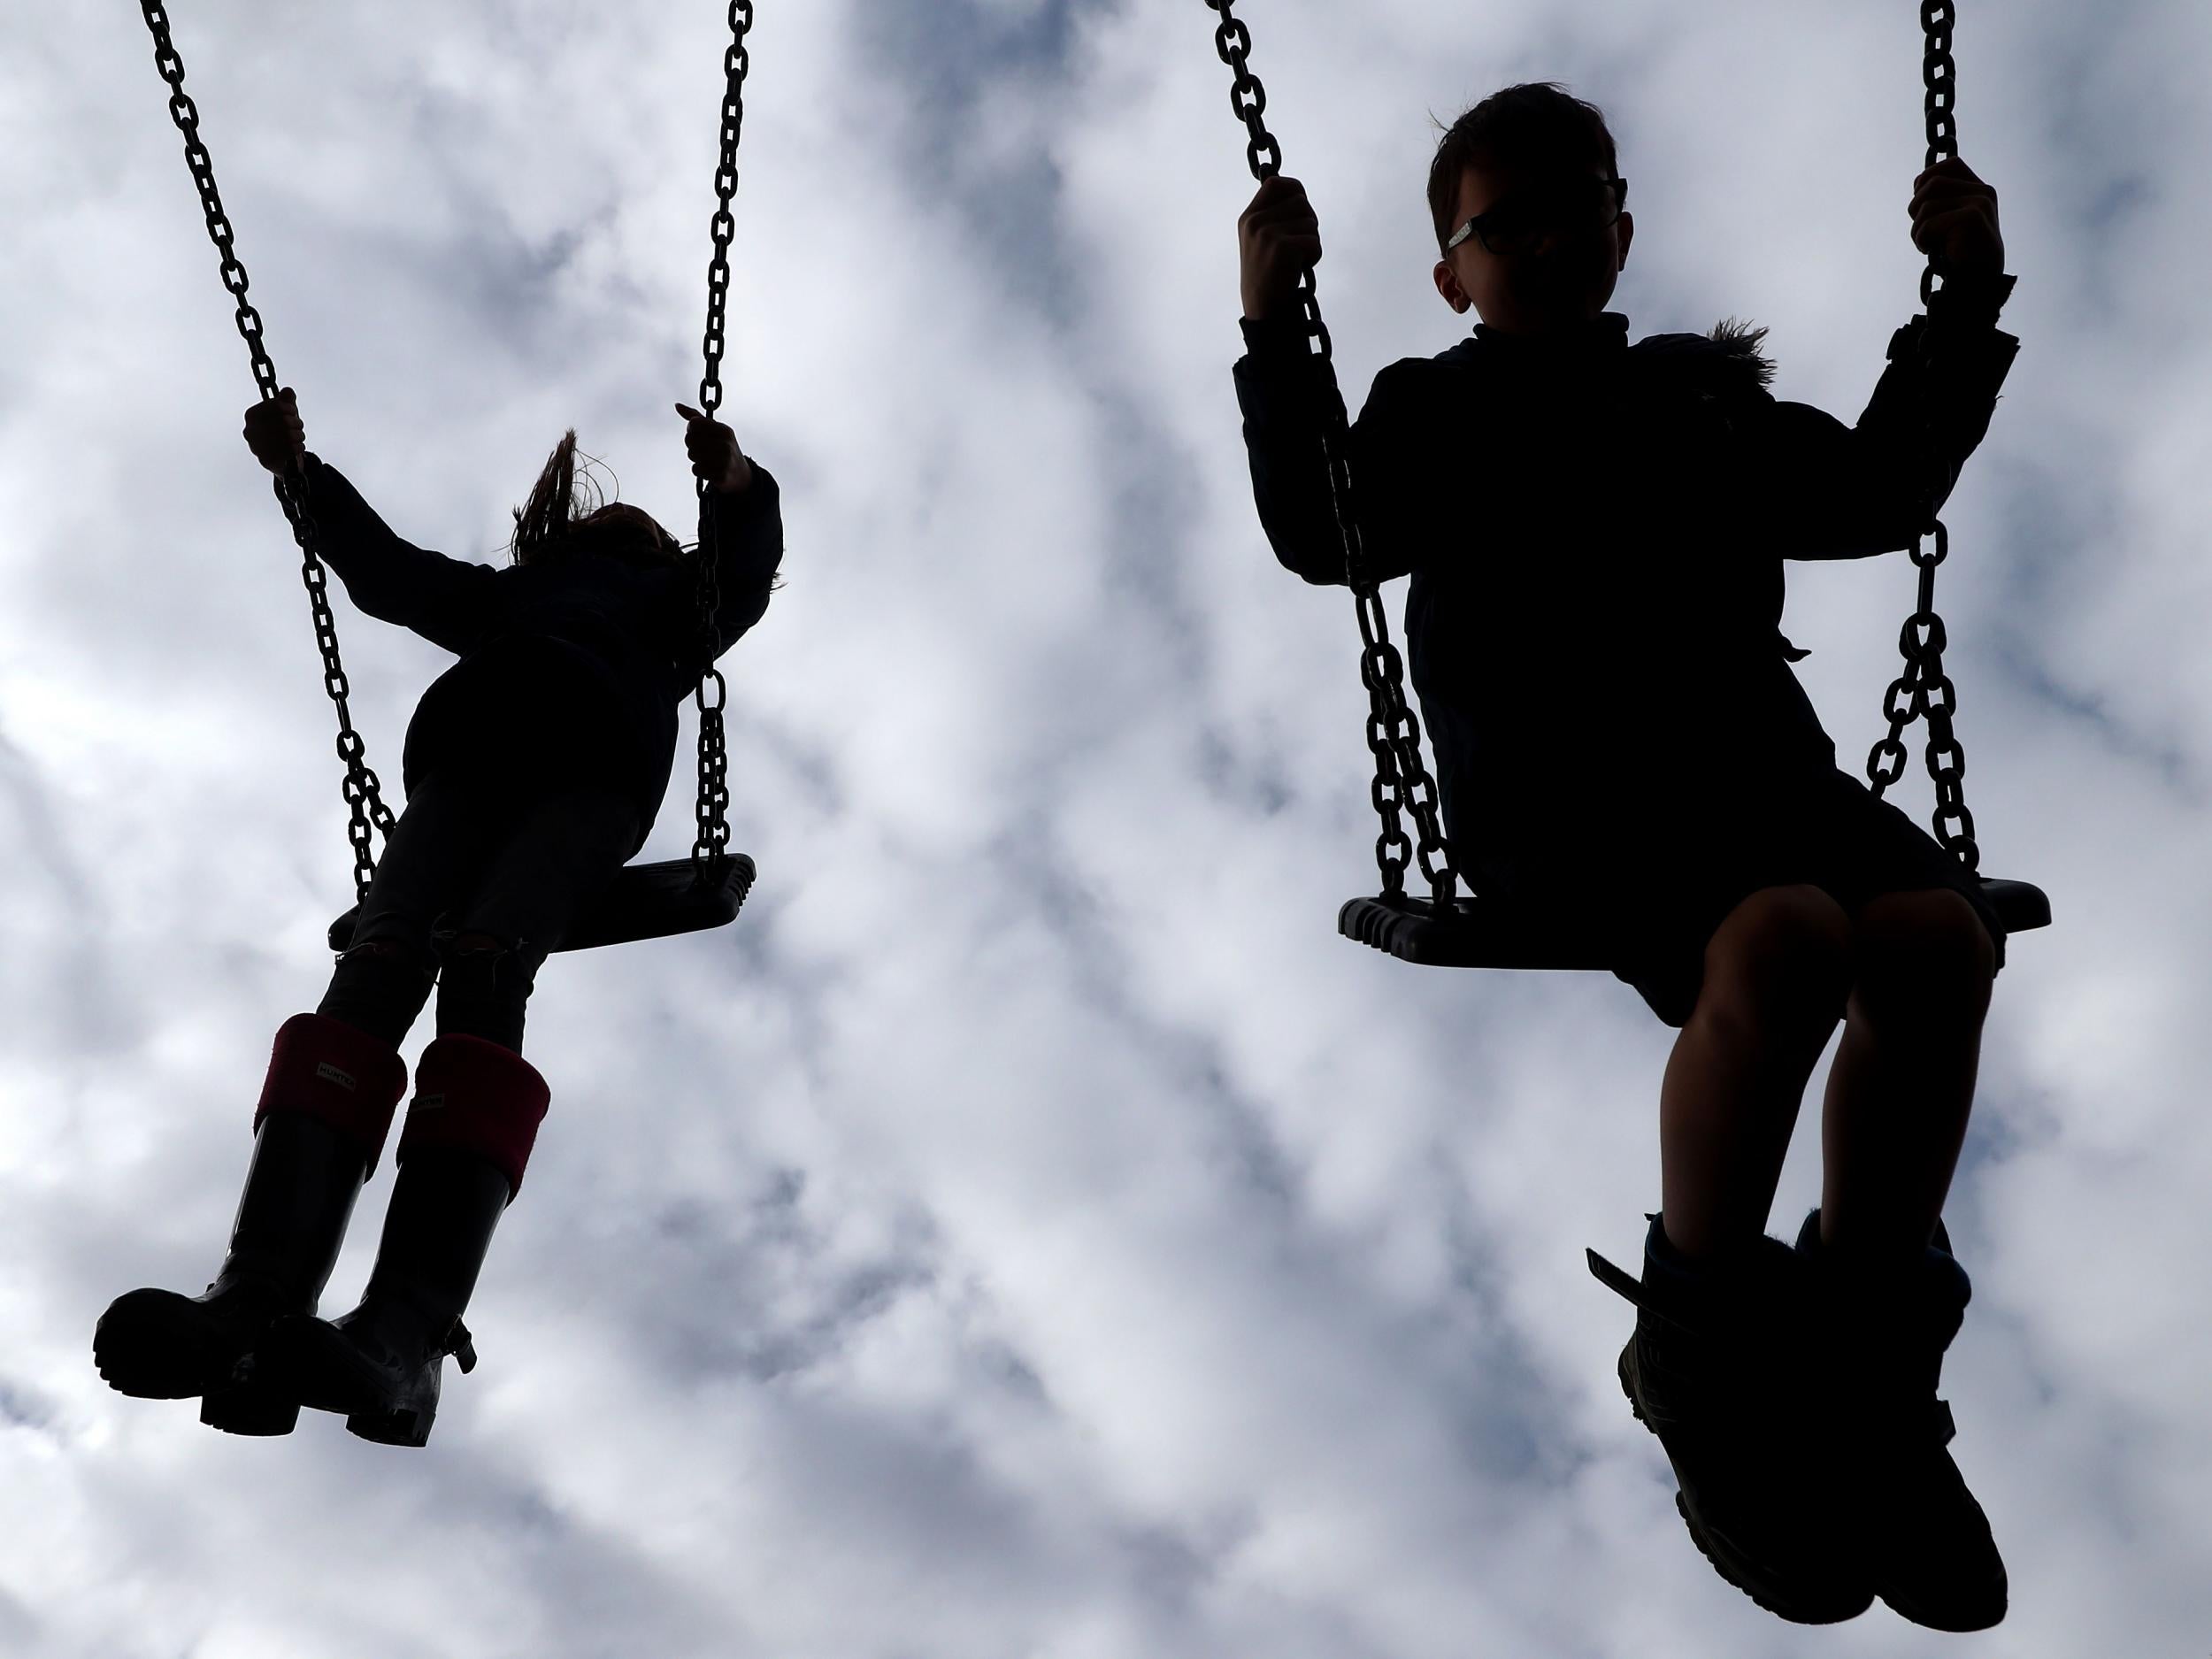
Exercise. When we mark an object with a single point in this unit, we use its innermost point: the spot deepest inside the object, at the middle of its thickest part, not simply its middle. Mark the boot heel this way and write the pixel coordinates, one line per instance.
(252, 1407)
(403, 1427)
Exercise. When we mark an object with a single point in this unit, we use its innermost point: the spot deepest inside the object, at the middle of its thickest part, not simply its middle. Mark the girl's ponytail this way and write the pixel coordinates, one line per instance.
(615, 529)
(545, 516)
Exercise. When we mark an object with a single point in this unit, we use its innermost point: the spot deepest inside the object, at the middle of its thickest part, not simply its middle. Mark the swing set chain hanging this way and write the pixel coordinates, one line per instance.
(365, 801)
(712, 809)
(1393, 734)
(1923, 690)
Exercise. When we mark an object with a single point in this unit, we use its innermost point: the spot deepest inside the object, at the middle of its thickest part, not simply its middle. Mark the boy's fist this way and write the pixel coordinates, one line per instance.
(714, 453)
(1955, 218)
(275, 434)
(1279, 240)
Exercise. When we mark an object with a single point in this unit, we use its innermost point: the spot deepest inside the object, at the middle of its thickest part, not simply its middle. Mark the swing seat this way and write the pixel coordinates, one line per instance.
(642, 902)
(1476, 933)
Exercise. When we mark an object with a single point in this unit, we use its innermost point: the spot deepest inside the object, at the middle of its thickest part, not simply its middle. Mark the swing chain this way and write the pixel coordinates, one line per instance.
(1924, 690)
(1938, 75)
(1393, 734)
(364, 800)
(712, 809)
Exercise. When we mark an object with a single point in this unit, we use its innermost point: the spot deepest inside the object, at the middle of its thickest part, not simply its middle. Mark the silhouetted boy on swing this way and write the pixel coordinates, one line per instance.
(1595, 534)
(533, 769)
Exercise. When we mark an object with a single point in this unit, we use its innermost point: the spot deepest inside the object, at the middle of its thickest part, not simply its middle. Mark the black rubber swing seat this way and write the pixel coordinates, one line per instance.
(651, 901)
(1474, 933)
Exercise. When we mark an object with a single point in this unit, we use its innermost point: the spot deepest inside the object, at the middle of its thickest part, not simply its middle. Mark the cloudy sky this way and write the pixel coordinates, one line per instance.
(1031, 1231)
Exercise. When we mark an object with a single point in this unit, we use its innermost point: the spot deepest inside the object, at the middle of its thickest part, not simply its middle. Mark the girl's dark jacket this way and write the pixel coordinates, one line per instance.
(571, 666)
(1594, 533)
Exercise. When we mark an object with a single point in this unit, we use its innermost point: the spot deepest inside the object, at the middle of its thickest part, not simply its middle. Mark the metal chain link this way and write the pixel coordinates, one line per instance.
(712, 809)
(1923, 691)
(1394, 734)
(365, 801)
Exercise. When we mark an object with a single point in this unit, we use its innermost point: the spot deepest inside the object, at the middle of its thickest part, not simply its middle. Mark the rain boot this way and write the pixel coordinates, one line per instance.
(1715, 1371)
(326, 1105)
(1881, 1341)
(461, 1156)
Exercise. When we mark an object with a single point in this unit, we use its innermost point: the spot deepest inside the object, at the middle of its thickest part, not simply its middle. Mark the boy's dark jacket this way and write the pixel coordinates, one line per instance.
(570, 665)
(1594, 533)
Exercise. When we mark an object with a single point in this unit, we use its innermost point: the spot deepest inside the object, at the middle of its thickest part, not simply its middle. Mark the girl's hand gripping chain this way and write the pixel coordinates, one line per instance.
(275, 435)
(715, 456)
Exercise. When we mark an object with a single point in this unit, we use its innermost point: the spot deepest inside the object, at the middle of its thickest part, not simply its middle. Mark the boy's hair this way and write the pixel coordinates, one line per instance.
(553, 516)
(1537, 125)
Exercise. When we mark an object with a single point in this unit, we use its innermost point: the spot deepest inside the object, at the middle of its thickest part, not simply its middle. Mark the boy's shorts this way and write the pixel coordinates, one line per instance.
(1829, 831)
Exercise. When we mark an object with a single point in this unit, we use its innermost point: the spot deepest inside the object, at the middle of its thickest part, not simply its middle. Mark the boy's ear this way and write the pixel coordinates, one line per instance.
(1447, 285)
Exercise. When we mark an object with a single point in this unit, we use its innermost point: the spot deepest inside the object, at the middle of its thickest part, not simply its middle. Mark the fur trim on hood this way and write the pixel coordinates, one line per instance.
(1741, 340)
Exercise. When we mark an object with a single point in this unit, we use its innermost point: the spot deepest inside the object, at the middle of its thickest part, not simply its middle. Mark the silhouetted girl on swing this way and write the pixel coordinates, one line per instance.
(533, 768)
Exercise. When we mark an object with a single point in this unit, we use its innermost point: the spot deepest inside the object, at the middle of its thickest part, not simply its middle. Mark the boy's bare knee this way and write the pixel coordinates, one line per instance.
(1783, 955)
(1923, 954)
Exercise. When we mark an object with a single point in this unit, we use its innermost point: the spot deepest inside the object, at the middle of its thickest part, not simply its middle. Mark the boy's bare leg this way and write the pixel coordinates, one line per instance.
(1902, 1085)
(1775, 972)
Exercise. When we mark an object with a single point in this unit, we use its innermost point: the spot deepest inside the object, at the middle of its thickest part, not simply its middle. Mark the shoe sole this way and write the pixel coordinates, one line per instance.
(1846, 1605)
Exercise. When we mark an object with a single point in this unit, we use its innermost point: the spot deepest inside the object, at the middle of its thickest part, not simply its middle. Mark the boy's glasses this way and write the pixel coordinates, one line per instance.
(1514, 225)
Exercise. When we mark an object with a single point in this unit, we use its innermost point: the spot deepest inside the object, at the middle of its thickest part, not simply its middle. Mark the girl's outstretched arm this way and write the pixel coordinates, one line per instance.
(446, 601)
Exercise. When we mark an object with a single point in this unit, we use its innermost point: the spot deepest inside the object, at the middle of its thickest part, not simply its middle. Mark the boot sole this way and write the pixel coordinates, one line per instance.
(1978, 1607)
(1959, 1620)
(320, 1368)
(158, 1345)
(1845, 1604)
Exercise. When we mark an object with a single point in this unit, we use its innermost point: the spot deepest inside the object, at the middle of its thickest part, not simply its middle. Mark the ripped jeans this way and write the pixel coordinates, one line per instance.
(478, 882)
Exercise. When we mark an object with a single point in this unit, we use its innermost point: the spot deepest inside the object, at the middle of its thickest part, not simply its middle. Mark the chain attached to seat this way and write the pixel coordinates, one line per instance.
(365, 801)
(1394, 734)
(1923, 691)
(711, 809)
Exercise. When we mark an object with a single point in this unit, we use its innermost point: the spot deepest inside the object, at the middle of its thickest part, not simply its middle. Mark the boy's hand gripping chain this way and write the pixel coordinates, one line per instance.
(1908, 696)
(712, 807)
(364, 800)
(1394, 734)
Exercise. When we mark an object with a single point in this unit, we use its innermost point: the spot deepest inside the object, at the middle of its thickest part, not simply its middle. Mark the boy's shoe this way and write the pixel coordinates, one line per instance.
(1880, 1347)
(461, 1157)
(1715, 1369)
(325, 1106)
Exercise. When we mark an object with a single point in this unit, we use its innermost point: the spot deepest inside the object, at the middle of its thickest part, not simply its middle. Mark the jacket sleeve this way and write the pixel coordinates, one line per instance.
(744, 534)
(449, 602)
(1832, 491)
(1281, 392)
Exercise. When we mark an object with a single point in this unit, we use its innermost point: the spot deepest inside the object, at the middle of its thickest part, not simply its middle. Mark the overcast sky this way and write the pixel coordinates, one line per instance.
(1031, 1231)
